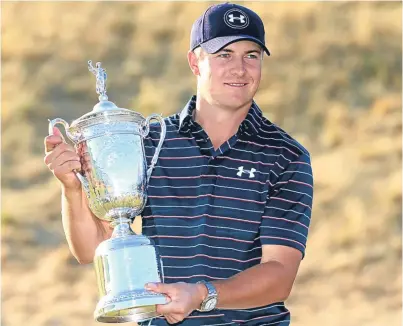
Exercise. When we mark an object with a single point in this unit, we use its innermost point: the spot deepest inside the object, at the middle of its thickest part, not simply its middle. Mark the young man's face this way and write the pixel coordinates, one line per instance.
(230, 78)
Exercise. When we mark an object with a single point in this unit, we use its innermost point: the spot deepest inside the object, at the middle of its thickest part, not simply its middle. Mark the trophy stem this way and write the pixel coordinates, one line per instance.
(121, 227)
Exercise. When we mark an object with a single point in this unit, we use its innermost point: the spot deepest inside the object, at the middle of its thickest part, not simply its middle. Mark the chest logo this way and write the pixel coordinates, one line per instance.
(241, 170)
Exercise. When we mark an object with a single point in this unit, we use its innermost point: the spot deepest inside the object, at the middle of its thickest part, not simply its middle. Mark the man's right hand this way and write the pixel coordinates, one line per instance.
(61, 158)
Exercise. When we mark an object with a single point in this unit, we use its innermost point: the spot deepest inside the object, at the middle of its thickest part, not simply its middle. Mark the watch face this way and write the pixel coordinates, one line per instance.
(210, 304)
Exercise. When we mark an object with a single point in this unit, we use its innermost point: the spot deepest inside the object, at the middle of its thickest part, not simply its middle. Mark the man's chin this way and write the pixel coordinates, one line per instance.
(234, 102)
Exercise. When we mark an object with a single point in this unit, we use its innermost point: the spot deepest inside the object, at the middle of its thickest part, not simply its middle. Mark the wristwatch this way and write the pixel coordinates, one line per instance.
(210, 301)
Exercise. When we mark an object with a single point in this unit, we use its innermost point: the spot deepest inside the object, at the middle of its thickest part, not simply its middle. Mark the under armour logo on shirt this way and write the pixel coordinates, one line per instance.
(241, 171)
(236, 18)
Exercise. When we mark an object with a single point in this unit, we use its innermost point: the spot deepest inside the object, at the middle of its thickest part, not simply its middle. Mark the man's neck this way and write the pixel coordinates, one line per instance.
(220, 124)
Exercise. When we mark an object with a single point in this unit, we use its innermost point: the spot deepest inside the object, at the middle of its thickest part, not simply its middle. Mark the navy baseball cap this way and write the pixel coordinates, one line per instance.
(226, 23)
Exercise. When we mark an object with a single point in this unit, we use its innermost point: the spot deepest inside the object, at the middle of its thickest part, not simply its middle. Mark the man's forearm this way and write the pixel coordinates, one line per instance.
(83, 231)
(257, 286)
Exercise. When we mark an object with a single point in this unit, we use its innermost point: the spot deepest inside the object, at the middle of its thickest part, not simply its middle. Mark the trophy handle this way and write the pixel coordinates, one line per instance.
(162, 138)
(53, 123)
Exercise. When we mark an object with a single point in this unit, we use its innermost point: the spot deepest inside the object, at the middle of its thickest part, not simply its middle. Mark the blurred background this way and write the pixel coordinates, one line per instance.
(334, 82)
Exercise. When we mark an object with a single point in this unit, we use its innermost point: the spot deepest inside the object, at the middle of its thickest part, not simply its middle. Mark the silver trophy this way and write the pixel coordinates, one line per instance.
(114, 176)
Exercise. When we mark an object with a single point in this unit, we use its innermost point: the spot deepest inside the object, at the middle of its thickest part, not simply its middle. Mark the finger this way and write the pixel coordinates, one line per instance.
(55, 153)
(177, 318)
(172, 320)
(160, 287)
(53, 130)
(57, 132)
(66, 168)
(165, 309)
(55, 137)
(52, 141)
(169, 320)
(172, 308)
(62, 158)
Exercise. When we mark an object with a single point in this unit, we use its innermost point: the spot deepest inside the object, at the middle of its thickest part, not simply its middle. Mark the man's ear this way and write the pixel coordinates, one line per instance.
(193, 61)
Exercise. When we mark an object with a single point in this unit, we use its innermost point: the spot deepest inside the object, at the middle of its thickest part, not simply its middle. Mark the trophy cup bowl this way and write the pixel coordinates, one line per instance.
(114, 177)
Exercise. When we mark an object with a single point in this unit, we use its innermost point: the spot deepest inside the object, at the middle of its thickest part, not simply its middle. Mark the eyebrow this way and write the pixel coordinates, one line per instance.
(247, 52)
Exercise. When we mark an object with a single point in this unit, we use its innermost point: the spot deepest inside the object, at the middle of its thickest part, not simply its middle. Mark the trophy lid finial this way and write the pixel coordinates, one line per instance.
(101, 76)
(100, 73)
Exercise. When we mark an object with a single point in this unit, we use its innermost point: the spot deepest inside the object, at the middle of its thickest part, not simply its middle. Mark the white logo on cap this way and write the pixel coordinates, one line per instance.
(236, 18)
(240, 18)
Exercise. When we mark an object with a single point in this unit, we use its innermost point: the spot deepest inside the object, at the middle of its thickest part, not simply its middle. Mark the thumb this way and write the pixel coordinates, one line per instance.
(158, 287)
(56, 132)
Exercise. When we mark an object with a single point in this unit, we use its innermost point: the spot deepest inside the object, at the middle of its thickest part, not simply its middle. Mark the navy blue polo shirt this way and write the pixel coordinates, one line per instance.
(210, 211)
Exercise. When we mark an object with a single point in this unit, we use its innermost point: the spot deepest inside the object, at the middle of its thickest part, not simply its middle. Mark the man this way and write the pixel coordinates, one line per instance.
(230, 198)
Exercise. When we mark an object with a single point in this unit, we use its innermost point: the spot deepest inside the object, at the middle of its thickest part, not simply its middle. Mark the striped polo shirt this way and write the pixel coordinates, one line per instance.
(210, 211)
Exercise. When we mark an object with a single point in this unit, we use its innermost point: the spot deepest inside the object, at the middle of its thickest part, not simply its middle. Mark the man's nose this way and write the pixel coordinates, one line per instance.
(238, 68)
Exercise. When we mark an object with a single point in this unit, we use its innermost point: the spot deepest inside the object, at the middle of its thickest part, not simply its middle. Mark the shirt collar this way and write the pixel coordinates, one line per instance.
(253, 121)
(186, 115)
(250, 125)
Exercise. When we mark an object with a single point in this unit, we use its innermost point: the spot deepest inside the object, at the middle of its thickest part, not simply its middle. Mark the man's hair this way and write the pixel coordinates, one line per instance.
(198, 51)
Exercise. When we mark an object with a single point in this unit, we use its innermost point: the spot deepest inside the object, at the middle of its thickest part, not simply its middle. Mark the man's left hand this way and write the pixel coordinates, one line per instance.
(184, 298)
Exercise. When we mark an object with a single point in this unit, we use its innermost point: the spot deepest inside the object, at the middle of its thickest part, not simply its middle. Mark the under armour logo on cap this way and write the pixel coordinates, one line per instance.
(236, 18)
(232, 18)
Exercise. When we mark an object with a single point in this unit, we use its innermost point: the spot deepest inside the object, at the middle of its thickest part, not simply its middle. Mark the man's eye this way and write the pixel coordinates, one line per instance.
(252, 56)
(223, 55)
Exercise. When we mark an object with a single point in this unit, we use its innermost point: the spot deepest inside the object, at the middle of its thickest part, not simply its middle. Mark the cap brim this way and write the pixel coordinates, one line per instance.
(216, 44)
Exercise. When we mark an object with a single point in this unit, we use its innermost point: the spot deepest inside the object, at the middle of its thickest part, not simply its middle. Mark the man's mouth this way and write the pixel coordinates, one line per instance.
(236, 84)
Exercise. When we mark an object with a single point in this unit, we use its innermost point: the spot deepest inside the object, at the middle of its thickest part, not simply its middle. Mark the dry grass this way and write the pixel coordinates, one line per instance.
(333, 81)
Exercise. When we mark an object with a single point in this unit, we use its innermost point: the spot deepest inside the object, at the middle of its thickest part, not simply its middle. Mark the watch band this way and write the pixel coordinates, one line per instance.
(210, 301)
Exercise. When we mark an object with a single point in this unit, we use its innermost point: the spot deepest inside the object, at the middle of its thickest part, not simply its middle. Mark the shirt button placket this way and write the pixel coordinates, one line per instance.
(213, 182)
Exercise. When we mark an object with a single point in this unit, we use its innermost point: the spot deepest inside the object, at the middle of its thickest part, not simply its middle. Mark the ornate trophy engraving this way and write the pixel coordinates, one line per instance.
(114, 176)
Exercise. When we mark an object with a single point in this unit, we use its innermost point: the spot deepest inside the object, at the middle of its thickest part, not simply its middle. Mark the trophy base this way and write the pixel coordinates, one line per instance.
(134, 310)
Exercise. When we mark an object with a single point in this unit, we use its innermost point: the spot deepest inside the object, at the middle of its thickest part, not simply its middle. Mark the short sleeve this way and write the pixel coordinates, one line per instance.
(288, 209)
